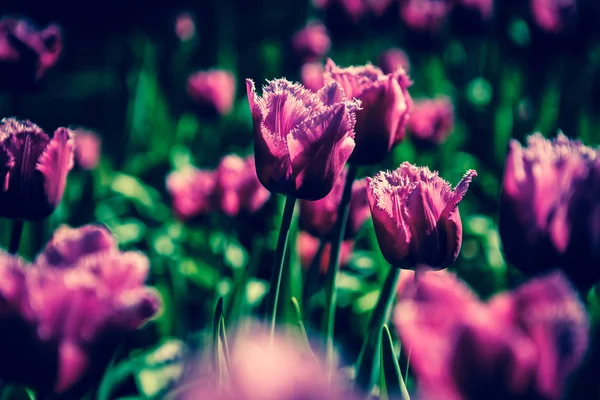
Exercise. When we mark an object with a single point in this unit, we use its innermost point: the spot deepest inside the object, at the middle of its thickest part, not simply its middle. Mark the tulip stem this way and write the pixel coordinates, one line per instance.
(312, 282)
(284, 232)
(15, 236)
(334, 258)
(367, 359)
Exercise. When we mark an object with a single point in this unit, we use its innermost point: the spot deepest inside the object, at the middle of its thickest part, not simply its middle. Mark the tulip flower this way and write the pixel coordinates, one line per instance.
(523, 344)
(185, 27)
(484, 7)
(385, 108)
(270, 369)
(553, 16)
(312, 76)
(311, 42)
(548, 207)
(319, 217)
(425, 15)
(26, 52)
(302, 140)
(88, 147)
(237, 187)
(308, 247)
(416, 217)
(192, 192)
(212, 91)
(65, 315)
(432, 121)
(355, 9)
(393, 59)
(33, 168)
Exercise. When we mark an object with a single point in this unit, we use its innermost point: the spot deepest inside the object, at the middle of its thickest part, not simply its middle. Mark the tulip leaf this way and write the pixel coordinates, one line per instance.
(300, 325)
(224, 344)
(218, 315)
(391, 384)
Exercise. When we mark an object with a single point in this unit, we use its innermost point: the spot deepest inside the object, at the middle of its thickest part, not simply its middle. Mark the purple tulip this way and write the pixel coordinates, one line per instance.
(88, 147)
(425, 15)
(33, 169)
(548, 208)
(192, 192)
(416, 218)
(312, 76)
(393, 59)
(185, 27)
(237, 187)
(520, 345)
(26, 52)
(212, 91)
(311, 42)
(66, 313)
(385, 108)
(318, 217)
(432, 121)
(302, 140)
(553, 15)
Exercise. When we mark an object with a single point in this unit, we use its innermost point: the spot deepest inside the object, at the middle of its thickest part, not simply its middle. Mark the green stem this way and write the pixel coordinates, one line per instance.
(366, 370)
(334, 258)
(15, 236)
(311, 282)
(284, 231)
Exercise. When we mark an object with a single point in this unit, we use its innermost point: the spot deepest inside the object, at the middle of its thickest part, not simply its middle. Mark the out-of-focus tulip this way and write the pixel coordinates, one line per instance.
(425, 15)
(185, 27)
(431, 121)
(549, 200)
(33, 169)
(237, 187)
(308, 246)
(520, 345)
(66, 313)
(553, 15)
(355, 9)
(319, 217)
(311, 75)
(192, 192)
(311, 42)
(385, 108)
(278, 369)
(26, 52)
(88, 148)
(416, 218)
(302, 140)
(392, 59)
(484, 7)
(212, 91)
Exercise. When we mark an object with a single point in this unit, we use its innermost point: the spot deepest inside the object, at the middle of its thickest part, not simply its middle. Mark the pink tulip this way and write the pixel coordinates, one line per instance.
(311, 42)
(213, 91)
(432, 121)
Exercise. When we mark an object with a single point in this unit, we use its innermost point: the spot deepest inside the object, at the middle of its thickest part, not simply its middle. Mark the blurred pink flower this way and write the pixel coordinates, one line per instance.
(237, 187)
(265, 369)
(311, 42)
(72, 308)
(485, 7)
(392, 59)
(26, 52)
(213, 91)
(385, 108)
(355, 9)
(88, 148)
(553, 15)
(379, 7)
(318, 217)
(191, 190)
(312, 76)
(416, 218)
(185, 27)
(549, 200)
(432, 120)
(425, 15)
(33, 169)
(302, 140)
(308, 246)
(520, 345)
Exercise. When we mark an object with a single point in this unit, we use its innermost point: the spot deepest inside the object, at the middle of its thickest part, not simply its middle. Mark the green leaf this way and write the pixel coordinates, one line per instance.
(300, 325)
(391, 384)
(215, 344)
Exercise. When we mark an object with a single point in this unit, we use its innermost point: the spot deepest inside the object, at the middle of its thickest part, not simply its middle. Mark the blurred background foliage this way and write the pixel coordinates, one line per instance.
(123, 74)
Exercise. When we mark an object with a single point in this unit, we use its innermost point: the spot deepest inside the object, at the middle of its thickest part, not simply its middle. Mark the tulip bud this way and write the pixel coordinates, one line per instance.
(33, 169)
(88, 147)
(425, 15)
(416, 218)
(393, 59)
(212, 91)
(311, 42)
(26, 53)
(385, 108)
(548, 208)
(312, 76)
(432, 121)
(302, 140)
(192, 192)
(553, 16)
(308, 247)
